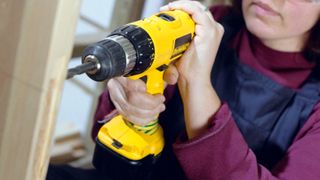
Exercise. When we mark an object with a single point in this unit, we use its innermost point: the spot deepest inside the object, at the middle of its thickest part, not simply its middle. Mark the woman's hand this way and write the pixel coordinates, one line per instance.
(196, 63)
(133, 102)
(193, 70)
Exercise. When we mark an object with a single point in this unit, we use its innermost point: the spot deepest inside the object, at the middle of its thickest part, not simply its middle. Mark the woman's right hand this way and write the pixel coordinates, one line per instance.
(133, 102)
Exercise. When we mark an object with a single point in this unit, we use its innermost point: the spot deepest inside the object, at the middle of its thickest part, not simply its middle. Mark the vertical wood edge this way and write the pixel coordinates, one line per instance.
(60, 50)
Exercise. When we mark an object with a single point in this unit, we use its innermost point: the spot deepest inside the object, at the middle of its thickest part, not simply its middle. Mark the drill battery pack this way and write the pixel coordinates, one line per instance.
(116, 167)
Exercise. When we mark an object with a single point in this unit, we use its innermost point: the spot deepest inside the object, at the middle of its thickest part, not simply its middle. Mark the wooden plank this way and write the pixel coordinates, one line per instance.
(36, 43)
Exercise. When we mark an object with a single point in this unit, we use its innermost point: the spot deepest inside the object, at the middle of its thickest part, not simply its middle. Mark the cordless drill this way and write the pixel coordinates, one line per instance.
(138, 50)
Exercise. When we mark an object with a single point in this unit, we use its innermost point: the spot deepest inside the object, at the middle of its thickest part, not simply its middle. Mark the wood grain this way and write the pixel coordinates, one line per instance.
(36, 44)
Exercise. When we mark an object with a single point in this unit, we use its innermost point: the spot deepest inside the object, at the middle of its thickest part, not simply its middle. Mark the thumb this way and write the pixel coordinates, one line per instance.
(133, 85)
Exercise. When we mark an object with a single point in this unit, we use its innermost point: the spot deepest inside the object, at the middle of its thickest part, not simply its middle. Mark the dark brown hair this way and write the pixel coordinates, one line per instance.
(312, 47)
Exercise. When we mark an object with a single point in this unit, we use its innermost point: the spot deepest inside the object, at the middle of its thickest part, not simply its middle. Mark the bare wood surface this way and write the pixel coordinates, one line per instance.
(36, 43)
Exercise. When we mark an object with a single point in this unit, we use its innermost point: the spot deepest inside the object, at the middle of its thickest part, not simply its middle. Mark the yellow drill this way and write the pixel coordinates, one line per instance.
(138, 50)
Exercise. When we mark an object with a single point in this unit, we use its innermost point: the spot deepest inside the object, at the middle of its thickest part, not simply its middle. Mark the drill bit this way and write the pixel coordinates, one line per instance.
(86, 67)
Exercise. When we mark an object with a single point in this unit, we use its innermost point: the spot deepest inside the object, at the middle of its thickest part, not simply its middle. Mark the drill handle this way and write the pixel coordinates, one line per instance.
(154, 81)
(155, 85)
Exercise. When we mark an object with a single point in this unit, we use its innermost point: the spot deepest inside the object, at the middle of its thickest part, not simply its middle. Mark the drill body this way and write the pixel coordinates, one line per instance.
(139, 50)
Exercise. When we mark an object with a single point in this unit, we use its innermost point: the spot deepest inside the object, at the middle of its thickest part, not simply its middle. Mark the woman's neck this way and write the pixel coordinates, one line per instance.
(290, 44)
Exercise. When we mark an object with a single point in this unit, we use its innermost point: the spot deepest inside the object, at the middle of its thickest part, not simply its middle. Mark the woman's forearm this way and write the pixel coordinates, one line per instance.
(200, 103)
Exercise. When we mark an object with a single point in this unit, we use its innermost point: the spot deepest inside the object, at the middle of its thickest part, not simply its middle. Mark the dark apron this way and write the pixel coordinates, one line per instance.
(268, 114)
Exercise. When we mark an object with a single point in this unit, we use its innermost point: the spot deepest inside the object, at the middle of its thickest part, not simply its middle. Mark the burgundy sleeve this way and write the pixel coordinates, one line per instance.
(222, 153)
(302, 160)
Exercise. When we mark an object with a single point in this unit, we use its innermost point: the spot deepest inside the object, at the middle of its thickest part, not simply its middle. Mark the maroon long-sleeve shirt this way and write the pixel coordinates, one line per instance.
(221, 152)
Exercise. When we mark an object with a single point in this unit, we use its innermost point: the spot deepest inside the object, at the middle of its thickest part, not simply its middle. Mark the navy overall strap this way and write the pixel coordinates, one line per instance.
(295, 115)
(268, 114)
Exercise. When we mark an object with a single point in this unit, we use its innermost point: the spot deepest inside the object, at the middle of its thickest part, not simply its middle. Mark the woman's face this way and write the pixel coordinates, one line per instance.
(280, 20)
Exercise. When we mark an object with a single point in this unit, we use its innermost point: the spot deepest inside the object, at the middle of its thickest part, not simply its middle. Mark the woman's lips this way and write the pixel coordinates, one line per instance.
(264, 9)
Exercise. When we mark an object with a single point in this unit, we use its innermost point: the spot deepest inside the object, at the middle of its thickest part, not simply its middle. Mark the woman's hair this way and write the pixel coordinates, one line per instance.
(312, 47)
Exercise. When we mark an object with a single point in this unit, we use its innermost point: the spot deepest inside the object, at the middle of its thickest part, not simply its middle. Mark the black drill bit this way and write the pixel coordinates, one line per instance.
(86, 67)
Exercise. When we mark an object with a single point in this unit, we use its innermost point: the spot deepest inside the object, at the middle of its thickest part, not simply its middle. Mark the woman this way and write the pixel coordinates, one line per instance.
(248, 93)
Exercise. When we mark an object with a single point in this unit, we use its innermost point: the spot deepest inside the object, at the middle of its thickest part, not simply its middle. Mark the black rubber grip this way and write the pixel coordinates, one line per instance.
(142, 43)
(111, 57)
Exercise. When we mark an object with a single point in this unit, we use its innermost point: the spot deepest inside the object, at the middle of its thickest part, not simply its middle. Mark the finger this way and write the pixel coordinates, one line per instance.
(202, 34)
(145, 117)
(171, 75)
(164, 8)
(136, 95)
(146, 107)
(135, 114)
(195, 9)
(117, 96)
(116, 91)
(133, 85)
(201, 31)
(144, 100)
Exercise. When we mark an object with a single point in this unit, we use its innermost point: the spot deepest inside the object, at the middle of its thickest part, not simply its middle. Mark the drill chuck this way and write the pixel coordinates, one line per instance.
(115, 56)
(126, 51)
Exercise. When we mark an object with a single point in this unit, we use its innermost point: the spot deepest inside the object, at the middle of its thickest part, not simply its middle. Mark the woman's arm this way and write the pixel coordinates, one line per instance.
(222, 153)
